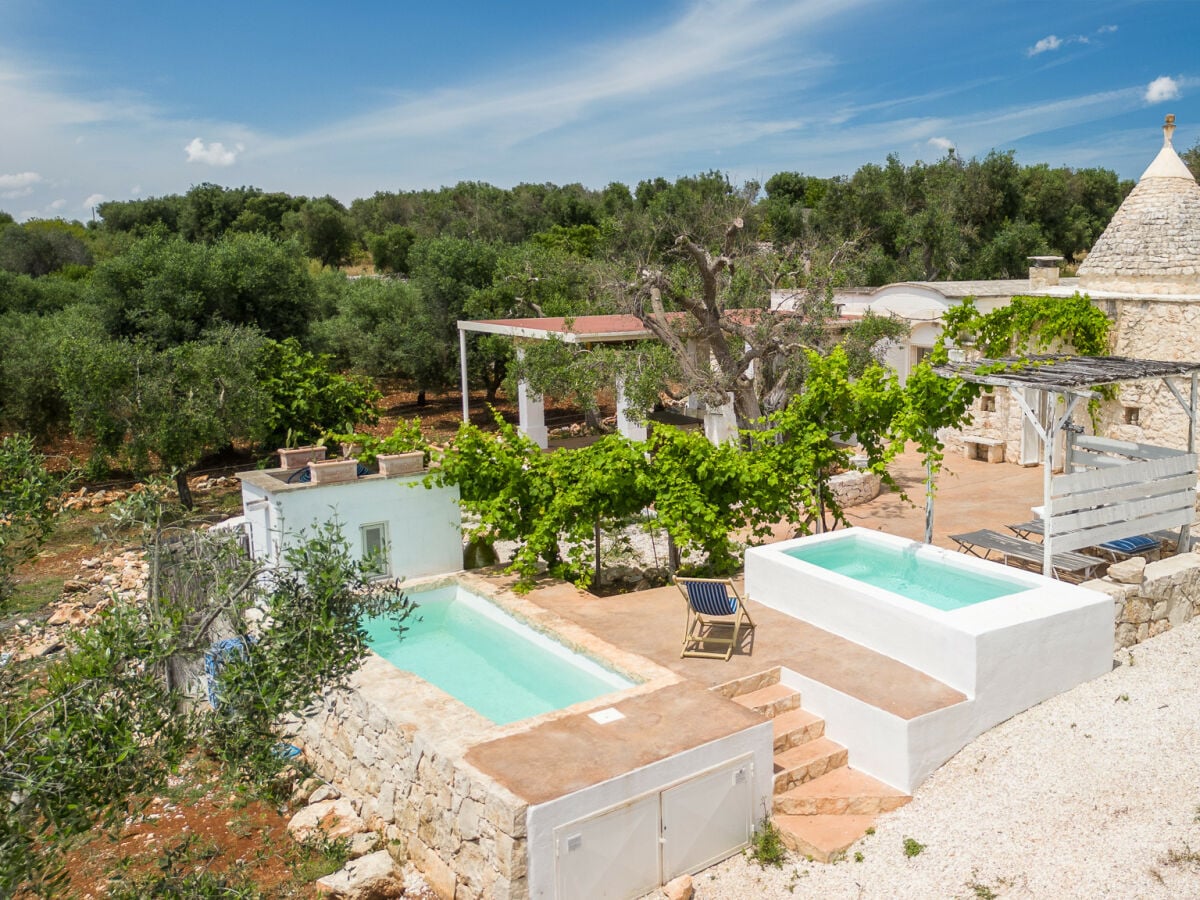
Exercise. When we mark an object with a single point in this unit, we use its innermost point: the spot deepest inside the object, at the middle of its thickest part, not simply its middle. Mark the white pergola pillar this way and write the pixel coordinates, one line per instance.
(634, 431)
(720, 424)
(531, 412)
(694, 405)
(462, 365)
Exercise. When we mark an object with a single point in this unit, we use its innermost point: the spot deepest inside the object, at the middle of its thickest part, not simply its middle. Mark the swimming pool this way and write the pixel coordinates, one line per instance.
(1028, 626)
(473, 650)
(931, 580)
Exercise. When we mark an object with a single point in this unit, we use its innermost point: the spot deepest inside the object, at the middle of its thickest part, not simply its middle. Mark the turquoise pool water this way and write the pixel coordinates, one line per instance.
(924, 579)
(474, 651)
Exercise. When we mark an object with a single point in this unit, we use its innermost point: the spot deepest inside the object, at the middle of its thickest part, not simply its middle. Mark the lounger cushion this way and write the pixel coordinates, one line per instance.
(1131, 545)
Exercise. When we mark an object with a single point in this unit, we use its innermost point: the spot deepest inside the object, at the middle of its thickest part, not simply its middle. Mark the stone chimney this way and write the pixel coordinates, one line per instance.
(1043, 271)
(1168, 129)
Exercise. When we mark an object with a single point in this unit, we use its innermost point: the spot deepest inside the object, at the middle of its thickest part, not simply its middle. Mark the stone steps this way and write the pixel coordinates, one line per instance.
(801, 764)
(770, 701)
(796, 727)
(822, 838)
(821, 805)
(842, 791)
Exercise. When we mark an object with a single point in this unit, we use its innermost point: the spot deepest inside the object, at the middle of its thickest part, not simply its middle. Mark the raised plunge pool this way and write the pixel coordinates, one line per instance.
(930, 580)
(476, 652)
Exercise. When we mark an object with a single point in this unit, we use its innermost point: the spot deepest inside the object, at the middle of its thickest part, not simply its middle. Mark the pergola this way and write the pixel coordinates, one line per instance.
(578, 330)
(1117, 487)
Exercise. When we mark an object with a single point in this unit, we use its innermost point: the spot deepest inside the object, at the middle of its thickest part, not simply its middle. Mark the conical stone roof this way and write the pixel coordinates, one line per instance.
(1152, 244)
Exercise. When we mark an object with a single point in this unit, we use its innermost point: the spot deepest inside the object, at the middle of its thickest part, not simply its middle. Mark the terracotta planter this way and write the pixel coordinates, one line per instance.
(401, 463)
(333, 471)
(349, 450)
(299, 457)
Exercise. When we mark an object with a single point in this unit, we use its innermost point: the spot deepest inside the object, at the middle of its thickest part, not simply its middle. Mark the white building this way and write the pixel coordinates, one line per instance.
(413, 530)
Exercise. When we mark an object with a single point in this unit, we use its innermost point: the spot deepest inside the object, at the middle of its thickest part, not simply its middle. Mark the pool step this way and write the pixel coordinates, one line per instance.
(770, 701)
(843, 791)
(823, 838)
(810, 760)
(796, 727)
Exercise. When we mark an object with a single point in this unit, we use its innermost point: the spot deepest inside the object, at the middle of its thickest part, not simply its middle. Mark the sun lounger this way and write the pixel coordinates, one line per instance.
(1120, 548)
(1008, 548)
(713, 604)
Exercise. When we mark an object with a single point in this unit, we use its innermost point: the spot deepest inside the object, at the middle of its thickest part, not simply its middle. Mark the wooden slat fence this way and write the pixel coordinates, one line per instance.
(1127, 489)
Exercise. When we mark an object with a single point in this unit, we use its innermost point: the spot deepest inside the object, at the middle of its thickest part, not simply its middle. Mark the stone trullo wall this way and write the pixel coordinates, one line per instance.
(1152, 329)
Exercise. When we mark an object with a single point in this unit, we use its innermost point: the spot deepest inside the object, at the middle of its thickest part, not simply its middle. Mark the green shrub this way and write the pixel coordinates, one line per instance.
(766, 847)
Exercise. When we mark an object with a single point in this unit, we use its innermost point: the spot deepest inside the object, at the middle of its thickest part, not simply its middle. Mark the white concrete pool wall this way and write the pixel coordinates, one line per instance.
(1005, 654)
(751, 748)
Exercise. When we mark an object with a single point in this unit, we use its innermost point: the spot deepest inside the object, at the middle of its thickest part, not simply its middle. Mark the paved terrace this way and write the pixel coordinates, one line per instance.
(571, 752)
(971, 494)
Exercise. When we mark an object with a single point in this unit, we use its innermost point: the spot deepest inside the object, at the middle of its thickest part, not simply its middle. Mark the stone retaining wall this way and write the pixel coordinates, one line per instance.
(1150, 598)
(463, 831)
(854, 487)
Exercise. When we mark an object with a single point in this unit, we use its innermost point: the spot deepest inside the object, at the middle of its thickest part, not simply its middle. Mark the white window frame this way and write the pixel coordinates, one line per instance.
(384, 568)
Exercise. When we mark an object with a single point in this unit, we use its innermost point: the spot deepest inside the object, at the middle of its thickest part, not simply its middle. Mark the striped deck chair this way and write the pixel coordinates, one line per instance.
(713, 604)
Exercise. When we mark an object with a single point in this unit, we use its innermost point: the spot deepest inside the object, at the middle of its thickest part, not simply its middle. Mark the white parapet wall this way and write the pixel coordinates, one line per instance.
(1005, 654)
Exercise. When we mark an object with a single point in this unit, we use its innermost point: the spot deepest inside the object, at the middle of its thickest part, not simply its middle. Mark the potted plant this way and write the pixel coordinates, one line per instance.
(405, 440)
(332, 471)
(401, 463)
(299, 457)
(404, 451)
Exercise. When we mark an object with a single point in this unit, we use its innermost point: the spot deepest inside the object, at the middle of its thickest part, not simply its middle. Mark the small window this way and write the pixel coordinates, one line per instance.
(1132, 415)
(987, 403)
(376, 549)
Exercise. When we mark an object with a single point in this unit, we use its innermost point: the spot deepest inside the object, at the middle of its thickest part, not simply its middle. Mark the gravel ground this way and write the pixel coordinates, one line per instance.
(1095, 793)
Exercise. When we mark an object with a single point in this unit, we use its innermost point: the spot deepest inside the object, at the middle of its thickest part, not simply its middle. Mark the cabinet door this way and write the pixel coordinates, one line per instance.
(707, 818)
(614, 854)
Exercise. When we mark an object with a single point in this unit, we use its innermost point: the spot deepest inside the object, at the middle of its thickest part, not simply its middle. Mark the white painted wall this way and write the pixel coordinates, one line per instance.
(424, 524)
(1005, 654)
(542, 819)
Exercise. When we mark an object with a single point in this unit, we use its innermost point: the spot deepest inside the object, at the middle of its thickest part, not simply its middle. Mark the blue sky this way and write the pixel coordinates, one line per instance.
(135, 99)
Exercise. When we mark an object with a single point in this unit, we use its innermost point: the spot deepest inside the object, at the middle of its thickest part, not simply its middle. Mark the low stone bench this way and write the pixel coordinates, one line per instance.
(983, 448)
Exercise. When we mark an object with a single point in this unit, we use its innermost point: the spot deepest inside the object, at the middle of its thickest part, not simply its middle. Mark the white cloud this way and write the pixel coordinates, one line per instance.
(58, 204)
(1050, 42)
(1162, 88)
(214, 154)
(19, 185)
(135, 190)
(1106, 29)
(93, 200)
(941, 143)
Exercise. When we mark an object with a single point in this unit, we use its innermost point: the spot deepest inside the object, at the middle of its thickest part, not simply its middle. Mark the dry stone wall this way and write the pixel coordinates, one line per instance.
(463, 831)
(854, 487)
(1150, 598)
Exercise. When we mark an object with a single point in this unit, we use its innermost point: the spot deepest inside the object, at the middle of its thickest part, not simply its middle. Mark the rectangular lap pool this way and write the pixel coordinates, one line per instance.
(473, 650)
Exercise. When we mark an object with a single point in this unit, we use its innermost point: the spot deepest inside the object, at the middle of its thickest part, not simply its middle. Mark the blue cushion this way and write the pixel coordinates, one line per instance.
(1132, 545)
(710, 598)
